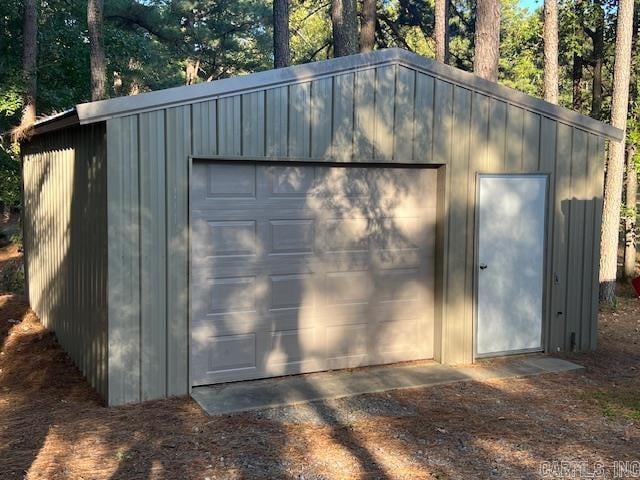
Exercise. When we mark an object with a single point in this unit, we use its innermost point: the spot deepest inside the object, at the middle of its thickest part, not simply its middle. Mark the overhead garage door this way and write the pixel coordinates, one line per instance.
(299, 268)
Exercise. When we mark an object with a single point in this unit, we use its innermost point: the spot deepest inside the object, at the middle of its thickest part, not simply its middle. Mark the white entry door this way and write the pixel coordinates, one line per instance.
(510, 268)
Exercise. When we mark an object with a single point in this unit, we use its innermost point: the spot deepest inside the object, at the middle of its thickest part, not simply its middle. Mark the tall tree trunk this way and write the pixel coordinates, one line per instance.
(368, 25)
(441, 30)
(29, 62)
(281, 51)
(597, 36)
(345, 27)
(576, 82)
(615, 163)
(596, 99)
(96, 46)
(487, 39)
(631, 200)
(550, 33)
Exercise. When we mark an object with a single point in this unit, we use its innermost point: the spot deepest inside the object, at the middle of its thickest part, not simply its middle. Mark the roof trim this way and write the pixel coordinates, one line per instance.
(67, 118)
(509, 95)
(116, 107)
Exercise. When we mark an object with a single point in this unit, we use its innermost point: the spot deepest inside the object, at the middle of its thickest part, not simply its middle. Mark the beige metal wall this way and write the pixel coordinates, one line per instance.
(387, 114)
(65, 242)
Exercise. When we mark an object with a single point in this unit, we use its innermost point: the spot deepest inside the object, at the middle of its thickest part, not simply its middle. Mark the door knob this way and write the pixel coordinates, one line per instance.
(483, 266)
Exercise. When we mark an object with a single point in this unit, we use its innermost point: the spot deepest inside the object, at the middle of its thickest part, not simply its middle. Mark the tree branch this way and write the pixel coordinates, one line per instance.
(395, 29)
(312, 56)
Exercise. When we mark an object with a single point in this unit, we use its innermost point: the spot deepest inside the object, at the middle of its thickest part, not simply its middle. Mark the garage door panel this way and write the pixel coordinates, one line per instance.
(225, 180)
(324, 267)
(288, 181)
(337, 183)
(232, 352)
(260, 207)
(344, 234)
(347, 345)
(232, 295)
(292, 291)
(209, 268)
(289, 320)
(227, 357)
(343, 261)
(397, 339)
(396, 233)
(243, 356)
(230, 237)
(348, 287)
(344, 315)
(224, 237)
(209, 326)
(284, 302)
(399, 284)
(222, 325)
(391, 259)
(400, 311)
(293, 236)
(291, 347)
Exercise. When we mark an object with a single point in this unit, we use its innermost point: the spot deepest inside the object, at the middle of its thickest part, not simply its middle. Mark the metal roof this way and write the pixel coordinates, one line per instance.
(86, 113)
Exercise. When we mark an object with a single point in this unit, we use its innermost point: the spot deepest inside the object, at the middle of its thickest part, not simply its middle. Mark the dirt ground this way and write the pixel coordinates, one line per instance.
(53, 426)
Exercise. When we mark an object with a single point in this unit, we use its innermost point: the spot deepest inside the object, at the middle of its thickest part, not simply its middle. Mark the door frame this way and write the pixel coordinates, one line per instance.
(441, 232)
(546, 258)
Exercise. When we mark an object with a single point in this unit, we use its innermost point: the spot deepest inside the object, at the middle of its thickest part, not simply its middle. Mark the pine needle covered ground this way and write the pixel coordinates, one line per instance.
(52, 425)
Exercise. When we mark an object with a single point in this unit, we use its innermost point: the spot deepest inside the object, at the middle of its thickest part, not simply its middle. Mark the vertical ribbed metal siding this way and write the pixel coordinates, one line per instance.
(123, 216)
(148, 247)
(178, 144)
(65, 242)
(389, 114)
(153, 234)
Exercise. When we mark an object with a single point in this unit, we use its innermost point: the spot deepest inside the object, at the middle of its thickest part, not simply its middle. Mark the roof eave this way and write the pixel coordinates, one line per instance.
(509, 95)
(176, 96)
(59, 121)
(86, 113)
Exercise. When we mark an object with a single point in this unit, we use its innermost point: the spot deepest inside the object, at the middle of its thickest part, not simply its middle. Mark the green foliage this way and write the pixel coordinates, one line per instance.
(462, 26)
(150, 43)
(10, 99)
(521, 65)
(633, 125)
(578, 21)
(63, 55)
(12, 278)
(627, 213)
(16, 239)
(147, 44)
(310, 25)
(10, 186)
(10, 64)
(618, 404)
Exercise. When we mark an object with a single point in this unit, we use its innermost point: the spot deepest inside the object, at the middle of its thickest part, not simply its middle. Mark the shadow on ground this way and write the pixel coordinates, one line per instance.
(52, 425)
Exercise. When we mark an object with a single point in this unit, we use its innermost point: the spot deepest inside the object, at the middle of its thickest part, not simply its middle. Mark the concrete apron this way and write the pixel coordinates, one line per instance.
(276, 392)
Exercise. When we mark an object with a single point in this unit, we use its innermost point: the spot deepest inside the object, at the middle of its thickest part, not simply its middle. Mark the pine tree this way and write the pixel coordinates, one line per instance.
(281, 50)
(441, 30)
(615, 162)
(96, 45)
(550, 29)
(368, 25)
(487, 39)
(29, 62)
(345, 27)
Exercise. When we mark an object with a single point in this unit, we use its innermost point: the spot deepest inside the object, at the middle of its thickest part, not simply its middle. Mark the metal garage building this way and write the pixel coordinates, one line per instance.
(363, 210)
